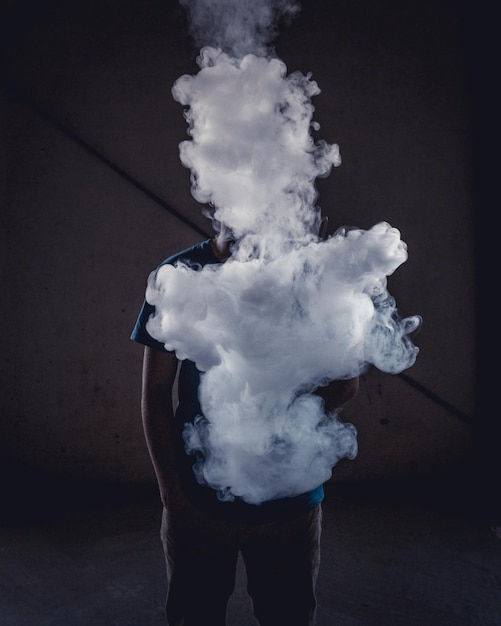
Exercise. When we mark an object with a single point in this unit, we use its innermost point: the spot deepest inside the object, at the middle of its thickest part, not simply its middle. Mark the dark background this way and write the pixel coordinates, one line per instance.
(94, 196)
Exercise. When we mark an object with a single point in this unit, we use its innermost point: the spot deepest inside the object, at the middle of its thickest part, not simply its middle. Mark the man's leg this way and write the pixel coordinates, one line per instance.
(201, 557)
(282, 561)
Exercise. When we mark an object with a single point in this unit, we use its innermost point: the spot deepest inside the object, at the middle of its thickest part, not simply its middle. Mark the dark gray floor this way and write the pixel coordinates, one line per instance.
(391, 556)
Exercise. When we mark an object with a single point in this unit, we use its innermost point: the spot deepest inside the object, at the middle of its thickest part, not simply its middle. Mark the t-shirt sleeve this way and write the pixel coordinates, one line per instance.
(140, 334)
(197, 256)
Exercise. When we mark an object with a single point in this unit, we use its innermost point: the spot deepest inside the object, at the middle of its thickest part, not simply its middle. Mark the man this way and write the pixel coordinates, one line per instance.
(202, 536)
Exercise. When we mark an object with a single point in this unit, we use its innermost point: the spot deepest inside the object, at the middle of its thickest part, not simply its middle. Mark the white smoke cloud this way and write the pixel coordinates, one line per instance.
(251, 152)
(266, 334)
(287, 312)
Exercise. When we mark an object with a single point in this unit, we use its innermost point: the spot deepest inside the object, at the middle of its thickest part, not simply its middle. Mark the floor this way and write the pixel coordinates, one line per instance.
(391, 555)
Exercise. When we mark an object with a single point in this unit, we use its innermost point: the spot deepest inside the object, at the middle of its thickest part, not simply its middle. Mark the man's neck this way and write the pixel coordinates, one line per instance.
(221, 248)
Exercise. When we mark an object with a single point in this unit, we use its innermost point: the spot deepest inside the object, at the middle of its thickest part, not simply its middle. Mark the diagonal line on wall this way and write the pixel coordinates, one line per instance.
(437, 399)
(49, 117)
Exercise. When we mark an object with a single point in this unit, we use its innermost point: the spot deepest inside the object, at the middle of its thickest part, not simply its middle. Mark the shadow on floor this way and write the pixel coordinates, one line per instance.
(393, 553)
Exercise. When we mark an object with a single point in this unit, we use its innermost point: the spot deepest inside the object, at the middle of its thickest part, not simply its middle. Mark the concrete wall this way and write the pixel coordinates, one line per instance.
(79, 239)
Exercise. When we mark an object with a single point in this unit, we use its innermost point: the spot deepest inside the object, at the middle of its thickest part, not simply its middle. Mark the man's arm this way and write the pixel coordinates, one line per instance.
(159, 373)
(337, 393)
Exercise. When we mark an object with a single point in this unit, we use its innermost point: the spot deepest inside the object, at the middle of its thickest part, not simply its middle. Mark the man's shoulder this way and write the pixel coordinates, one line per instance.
(200, 254)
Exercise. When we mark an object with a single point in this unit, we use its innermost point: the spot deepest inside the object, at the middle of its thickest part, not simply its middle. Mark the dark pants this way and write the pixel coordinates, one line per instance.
(281, 560)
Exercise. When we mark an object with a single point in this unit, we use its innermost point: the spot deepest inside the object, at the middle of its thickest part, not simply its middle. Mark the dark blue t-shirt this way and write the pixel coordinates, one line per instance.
(188, 408)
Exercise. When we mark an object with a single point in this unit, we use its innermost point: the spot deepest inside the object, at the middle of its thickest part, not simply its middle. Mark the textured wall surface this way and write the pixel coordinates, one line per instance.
(91, 134)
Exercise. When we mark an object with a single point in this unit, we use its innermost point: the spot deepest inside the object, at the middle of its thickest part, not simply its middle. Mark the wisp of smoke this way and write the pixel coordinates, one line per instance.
(238, 27)
(288, 311)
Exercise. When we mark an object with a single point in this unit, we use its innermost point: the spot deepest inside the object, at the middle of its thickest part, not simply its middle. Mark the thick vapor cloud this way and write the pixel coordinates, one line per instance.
(288, 311)
(251, 152)
(266, 334)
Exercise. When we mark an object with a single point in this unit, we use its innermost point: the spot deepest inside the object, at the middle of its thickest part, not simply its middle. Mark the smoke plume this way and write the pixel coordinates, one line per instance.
(288, 311)
(238, 27)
